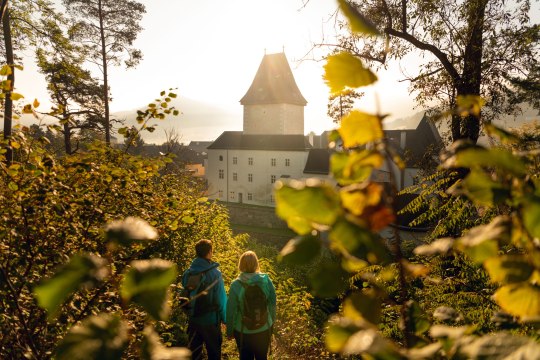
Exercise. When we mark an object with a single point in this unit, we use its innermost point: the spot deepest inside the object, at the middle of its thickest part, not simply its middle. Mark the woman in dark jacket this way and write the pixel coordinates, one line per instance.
(252, 336)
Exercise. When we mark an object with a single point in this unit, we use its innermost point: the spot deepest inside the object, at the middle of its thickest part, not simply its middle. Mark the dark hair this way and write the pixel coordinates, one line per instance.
(203, 247)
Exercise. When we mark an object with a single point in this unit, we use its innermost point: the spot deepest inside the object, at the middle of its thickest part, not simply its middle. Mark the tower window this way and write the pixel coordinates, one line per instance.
(250, 177)
(287, 162)
(273, 162)
(235, 176)
(221, 174)
(250, 196)
(235, 160)
(272, 179)
(220, 157)
(250, 161)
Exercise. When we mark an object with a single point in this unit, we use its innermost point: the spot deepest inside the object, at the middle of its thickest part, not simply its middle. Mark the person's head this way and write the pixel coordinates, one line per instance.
(203, 249)
(248, 262)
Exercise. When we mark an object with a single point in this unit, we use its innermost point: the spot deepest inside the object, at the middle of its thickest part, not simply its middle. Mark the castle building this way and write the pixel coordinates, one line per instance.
(242, 166)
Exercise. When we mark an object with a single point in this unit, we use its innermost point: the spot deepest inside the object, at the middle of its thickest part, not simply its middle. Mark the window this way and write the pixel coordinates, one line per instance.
(250, 161)
(287, 162)
(232, 195)
(273, 162)
(250, 196)
(250, 177)
(272, 199)
(235, 176)
(220, 157)
(220, 194)
(221, 174)
(272, 179)
(235, 160)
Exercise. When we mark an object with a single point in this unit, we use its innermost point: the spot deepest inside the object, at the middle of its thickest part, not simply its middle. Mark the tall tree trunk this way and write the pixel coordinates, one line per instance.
(67, 134)
(105, 76)
(468, 127)
(8, 104)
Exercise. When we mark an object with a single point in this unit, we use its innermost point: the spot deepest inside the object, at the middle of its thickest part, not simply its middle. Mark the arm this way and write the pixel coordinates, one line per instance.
(272, 300)
(222, 299)
(231, 309)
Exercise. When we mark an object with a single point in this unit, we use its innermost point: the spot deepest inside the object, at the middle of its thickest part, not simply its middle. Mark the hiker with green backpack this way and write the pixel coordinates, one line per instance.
(251, 309)
(204, 300)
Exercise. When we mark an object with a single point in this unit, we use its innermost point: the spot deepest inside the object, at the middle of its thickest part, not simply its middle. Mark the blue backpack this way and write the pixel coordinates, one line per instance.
(195, 298)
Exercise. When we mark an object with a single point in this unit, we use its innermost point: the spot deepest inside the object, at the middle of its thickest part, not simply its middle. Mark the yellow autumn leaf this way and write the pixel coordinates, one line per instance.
(357, 201)
(521, 299)
(35, 103)
(16, 96)
(5, 70)
(358, 22)
(469, 104)
(359, 128)
(27, 109)
(343, 70)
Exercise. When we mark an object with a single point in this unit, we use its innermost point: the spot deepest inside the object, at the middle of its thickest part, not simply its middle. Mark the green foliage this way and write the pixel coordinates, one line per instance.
(54, 209)
(496, 203)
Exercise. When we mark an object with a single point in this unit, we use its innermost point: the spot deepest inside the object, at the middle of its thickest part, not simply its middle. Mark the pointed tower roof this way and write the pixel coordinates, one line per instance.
(274, 83)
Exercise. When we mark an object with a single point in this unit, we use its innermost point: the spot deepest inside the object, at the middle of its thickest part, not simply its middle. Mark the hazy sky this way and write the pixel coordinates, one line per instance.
(210, 50)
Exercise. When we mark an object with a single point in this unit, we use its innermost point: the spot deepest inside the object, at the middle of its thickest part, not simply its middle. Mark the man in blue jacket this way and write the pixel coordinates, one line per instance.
(207, 312)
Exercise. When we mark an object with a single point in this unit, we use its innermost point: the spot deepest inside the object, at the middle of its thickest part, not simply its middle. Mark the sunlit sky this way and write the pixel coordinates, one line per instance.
(210, 50)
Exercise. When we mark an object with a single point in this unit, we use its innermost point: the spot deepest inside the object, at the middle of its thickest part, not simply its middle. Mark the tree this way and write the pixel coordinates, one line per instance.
(485, 48)
(341, 104)
(109, 29)
(76, 95)
(7, 89)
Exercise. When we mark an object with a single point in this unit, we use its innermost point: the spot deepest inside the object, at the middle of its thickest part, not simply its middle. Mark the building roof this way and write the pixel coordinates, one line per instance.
(318, 162)
(274, 83)
(199, 146)
(237, 140)
(417, 141)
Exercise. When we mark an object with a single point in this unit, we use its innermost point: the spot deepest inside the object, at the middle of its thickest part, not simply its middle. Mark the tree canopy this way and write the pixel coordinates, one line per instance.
(473, 47)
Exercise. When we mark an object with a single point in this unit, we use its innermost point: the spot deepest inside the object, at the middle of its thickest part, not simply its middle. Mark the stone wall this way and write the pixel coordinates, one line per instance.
(252, 215)
(260, 223)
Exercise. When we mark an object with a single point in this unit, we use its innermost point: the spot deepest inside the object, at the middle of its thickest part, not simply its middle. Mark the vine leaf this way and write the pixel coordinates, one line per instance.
(363, 305)
(328, 280)
(521, 299)
(305, 205)
(349, 337)
(103, 336)
(481, 242)
(354, 167)
(500, 346)
(153, 349)
(300, 250)
(358, 128)
(508, 269)
(81, 271)
(481, 189)
(531, 216)
(358, 22)
(146, 283)
(129, 231)
(349, 238)
(498, 158)
(344, 70)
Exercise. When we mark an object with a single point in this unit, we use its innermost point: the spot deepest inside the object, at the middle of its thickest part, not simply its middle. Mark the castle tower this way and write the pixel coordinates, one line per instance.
(273, 104)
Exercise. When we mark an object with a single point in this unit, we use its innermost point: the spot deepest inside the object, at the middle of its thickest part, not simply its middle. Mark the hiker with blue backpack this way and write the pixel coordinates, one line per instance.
(251, 309)
(205, 302)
